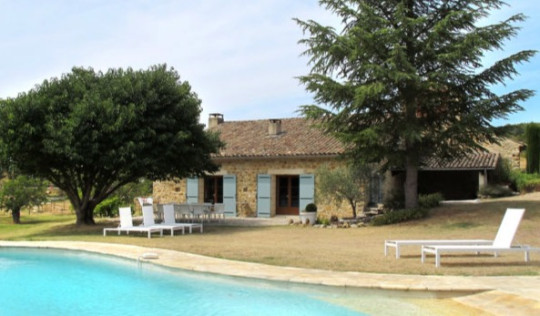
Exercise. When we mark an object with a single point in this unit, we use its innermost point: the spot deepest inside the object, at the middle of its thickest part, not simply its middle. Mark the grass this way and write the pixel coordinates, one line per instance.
(461, 225)
(331, 249)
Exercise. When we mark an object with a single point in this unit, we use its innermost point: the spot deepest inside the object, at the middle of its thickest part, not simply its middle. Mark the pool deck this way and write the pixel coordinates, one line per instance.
(500, 295)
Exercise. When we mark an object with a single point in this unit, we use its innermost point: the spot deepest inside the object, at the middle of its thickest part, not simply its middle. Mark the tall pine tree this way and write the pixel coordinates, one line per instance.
(405, 79)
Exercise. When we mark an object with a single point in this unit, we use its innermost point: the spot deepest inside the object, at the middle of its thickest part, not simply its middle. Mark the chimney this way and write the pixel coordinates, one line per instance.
(274, 127)
(214, 120)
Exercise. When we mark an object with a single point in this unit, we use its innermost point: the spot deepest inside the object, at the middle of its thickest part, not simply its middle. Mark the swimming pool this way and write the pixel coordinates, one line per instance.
(51, 282)
(60, 282)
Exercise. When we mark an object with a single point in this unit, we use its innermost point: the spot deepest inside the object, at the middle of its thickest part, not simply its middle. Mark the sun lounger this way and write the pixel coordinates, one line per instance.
(444, 242)
(501, 243)
(438, 250)
(126, 225)
(399, 243)
(148, 221)
(169, 219)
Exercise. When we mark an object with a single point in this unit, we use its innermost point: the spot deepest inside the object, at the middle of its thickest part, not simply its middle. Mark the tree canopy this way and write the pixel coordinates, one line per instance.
(90, 133)
(19, 192)
(532, 134)
(348, 183)
(405, 80)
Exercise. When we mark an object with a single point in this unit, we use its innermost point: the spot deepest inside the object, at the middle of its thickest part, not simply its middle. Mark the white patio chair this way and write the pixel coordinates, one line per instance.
(182, 212)
(219, 211)
(200, 211)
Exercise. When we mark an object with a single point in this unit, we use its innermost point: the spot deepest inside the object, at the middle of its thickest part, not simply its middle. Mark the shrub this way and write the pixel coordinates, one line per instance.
(430, 200)
(503, 172)
(395, 200)
(108, 207)
(495, 191)
(323, 221)
(311, 208)
(525, 182)
(399, 216)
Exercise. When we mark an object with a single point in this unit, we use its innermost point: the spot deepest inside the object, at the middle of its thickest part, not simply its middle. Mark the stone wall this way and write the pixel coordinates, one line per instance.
(246, 171)
(169, 191)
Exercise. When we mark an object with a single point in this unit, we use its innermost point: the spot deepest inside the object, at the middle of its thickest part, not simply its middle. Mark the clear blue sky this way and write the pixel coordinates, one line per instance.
(241, 57)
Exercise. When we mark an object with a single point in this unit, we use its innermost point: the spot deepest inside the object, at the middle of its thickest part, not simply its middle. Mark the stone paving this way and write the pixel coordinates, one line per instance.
(502, 295)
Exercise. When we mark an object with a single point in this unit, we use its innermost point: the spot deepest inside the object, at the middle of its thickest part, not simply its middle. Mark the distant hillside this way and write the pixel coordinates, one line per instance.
(515, 132)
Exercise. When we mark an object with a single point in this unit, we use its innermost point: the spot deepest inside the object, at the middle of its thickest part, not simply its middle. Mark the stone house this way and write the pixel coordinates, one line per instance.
(268, 168)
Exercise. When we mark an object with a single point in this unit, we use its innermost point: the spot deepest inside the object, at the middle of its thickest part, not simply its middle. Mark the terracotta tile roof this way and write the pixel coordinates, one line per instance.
(251, 139)
(476, 161)
(297, 138)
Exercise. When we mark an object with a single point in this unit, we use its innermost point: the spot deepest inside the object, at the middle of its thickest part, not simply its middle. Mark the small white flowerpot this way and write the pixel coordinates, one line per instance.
(311, 216)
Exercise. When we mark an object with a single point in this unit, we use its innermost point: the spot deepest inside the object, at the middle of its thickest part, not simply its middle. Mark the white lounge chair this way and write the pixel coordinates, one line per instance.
(148, 221)
(169, 219)
(433, 242)
(501, 243)
(126, 225)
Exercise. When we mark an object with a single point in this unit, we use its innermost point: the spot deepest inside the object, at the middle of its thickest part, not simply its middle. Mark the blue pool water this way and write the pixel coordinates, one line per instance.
(51, 282)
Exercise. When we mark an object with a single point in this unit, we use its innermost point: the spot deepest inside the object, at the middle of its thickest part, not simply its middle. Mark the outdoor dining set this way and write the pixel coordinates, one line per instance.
(194, 212)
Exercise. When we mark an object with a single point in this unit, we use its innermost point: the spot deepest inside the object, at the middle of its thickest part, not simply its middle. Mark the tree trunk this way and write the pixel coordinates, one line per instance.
(85, 216)
(353, 206)
(16, 215)
(84, 209)
(411, 182)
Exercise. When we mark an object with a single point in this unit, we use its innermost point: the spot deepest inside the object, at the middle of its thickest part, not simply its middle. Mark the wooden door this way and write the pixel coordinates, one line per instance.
(288, 195)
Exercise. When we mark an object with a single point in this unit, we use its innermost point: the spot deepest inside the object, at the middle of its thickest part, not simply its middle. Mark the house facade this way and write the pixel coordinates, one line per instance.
(267, 168)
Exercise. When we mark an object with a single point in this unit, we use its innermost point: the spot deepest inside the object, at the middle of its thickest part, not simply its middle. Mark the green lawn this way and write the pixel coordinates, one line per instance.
(358, 249)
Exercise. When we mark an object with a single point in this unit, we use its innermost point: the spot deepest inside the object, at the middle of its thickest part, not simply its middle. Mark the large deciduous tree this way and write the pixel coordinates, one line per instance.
(405, 79)
(90, 133)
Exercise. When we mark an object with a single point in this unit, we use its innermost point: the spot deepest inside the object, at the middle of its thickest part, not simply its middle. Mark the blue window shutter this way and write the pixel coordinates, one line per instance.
(192, 190)
(229, 195)
(307, 190)
(263, 195)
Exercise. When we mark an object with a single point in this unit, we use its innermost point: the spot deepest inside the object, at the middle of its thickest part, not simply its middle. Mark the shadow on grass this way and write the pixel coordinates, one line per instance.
(494, 263)
(71, 229)
(418, 256)
(35, 220)
(461, 225)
